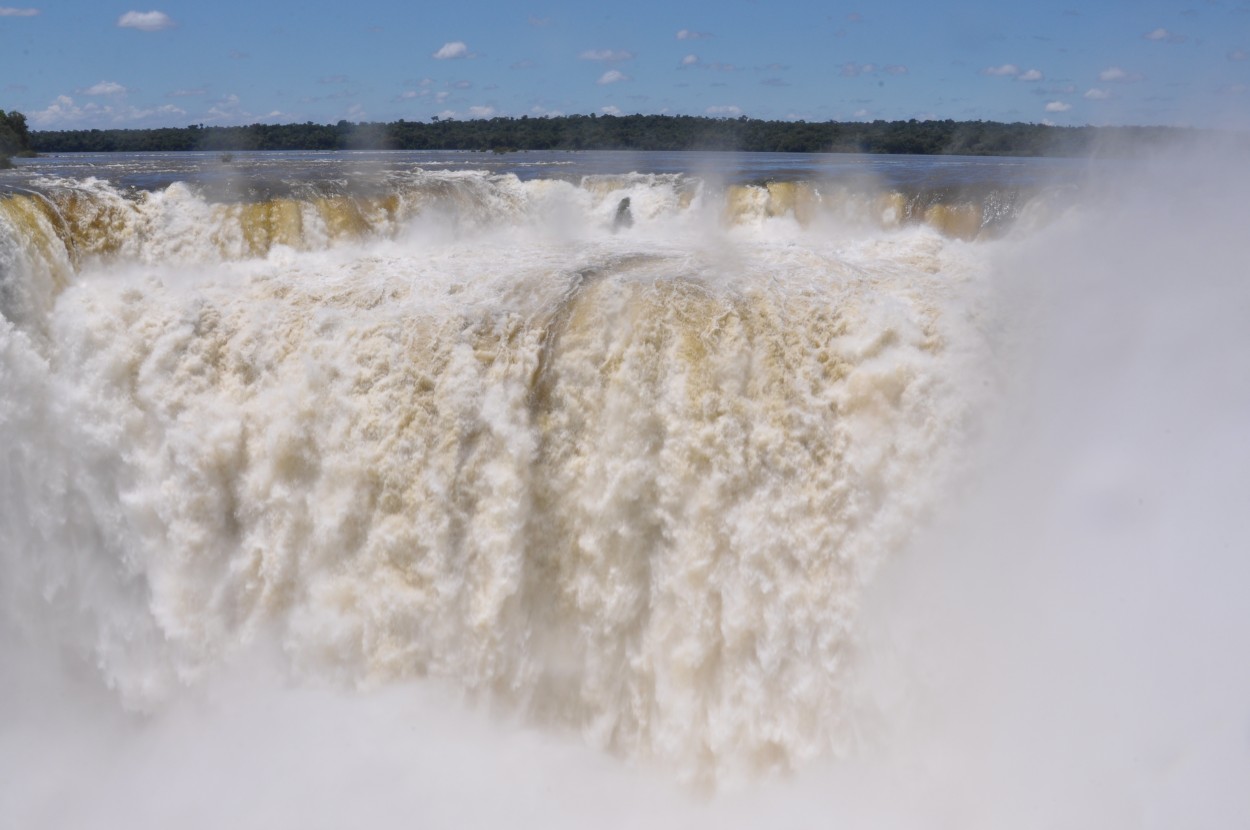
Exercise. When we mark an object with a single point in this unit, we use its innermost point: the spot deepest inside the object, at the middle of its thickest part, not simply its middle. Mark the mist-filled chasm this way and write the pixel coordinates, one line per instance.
(463, 499)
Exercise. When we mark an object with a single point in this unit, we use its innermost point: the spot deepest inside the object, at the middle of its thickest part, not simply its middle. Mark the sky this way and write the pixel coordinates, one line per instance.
(99, 64)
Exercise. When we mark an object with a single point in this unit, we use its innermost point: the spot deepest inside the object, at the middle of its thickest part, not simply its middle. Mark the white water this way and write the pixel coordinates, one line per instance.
(629, 491)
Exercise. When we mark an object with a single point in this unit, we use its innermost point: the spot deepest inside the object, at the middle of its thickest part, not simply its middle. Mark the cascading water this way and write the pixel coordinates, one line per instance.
(630, 482)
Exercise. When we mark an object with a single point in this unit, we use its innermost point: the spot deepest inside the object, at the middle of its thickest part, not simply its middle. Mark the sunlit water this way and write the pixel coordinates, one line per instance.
(622, 489)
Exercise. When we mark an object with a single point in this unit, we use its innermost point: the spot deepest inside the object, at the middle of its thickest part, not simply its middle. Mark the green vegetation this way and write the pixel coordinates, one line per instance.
(630, 132)
(14, 138)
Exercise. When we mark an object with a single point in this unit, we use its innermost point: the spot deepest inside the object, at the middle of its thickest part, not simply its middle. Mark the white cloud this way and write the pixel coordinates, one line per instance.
(1162, 35)
(1058, 106)
(726, 110)
(409, 94)
(895, 69)
(1007, 70)
(1114, 74)
(861, 113)
(8, 11)
(612, 76)
(1238, 55)
(854, 70)
(104, 88)
(690, 34)
(452, 50)
(610, 110)
(1031, 75)
(1047, 122)
(607, 55)
(473, 112)
(690, 60)
(145, 21)
(543, 111)
(1096, 94)
(186, 93)
(227, 109)
(65, 112)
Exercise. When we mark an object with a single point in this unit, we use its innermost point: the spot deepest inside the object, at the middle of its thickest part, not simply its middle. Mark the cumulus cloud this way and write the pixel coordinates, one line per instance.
(186, 93)
(104, 88)
(854, 70)
(452, 50)
(895, 69)
(1237, 55)
(1031, 75)
(861, 113)
(1162, 35)
(1095, 94)
(65, 112)
(731, 109)
(612, 76)
(227, 108)
(472, 112)
(1114, 74)
(8, 11)
(1058, 106)
(607, 55)
(1007, 70)
(690, 60)
(145, 21)
(690, 34)
(610, 110)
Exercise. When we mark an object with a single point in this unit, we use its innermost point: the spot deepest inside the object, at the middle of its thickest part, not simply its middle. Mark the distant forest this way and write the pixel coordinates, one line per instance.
(632, 132)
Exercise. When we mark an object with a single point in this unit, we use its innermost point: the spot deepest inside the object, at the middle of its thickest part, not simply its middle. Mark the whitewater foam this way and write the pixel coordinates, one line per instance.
(632, 486)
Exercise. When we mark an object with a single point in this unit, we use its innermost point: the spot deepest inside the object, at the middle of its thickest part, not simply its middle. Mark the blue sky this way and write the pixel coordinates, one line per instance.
(99, 64)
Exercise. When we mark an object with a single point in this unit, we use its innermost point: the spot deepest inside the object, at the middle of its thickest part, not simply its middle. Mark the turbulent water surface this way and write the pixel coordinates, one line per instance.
(868, 476)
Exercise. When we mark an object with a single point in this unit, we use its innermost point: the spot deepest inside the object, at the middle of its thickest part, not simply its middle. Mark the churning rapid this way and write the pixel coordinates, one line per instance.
(615, 454)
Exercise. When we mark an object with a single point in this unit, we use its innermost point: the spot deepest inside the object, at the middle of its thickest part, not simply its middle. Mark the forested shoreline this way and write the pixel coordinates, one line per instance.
(14, 138)
(632, 132)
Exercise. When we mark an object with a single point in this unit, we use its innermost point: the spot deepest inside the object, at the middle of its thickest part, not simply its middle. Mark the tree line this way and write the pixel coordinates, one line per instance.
(14, 138)
(627, 132)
